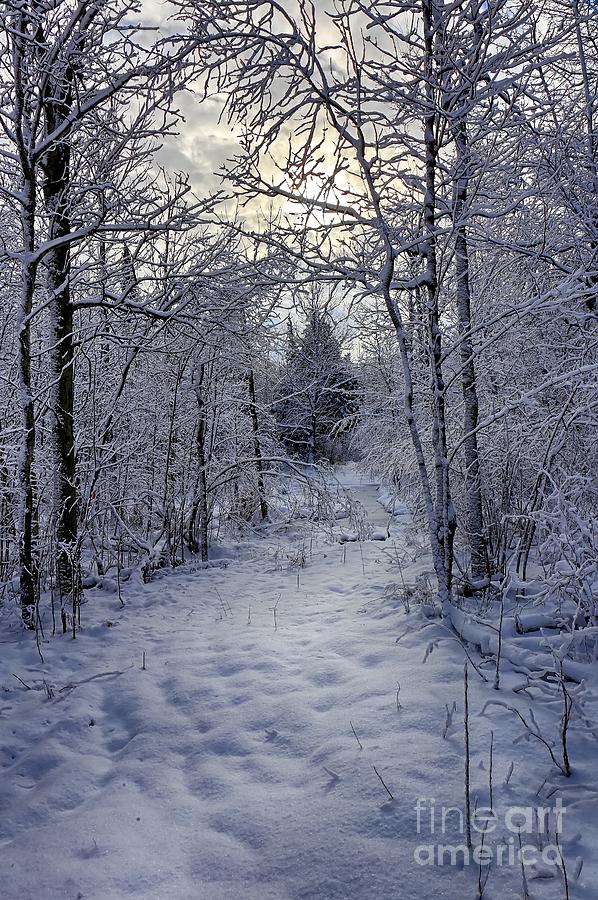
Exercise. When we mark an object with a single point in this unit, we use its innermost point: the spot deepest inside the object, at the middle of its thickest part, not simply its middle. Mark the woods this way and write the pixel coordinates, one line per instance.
(430, 171)
(298, 446)
(425, 172)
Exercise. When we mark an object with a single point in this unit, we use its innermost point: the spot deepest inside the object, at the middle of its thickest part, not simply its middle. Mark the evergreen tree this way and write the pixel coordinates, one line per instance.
(318, 391)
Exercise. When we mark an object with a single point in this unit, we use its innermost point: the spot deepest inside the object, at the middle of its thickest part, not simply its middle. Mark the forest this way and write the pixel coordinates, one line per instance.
(298, 303)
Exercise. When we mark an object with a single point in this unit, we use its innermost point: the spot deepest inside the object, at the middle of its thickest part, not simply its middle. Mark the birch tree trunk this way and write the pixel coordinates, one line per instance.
(445, 519)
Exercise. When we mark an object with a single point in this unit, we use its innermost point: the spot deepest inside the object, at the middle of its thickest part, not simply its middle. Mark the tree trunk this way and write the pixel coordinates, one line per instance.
(56, 167)
(473, 488)
(591, 135)
(442, 564)
(257, 448)
(27, 558)
(445, 518)
(200, 507)
(26, 538)
(311, 440)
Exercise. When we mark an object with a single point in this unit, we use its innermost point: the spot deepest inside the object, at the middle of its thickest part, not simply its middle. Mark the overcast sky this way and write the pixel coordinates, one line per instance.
(204, 143)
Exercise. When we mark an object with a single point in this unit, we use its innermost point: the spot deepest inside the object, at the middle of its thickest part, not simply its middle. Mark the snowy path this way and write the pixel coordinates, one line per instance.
(228, 768)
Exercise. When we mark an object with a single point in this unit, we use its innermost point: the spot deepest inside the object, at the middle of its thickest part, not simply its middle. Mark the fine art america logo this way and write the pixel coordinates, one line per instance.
(515, 829)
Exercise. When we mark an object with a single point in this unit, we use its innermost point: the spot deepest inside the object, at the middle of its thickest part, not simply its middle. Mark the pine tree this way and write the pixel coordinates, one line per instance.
(318, 391)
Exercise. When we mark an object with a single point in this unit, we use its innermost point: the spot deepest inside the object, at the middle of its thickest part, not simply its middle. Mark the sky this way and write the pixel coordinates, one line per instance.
(203, 143)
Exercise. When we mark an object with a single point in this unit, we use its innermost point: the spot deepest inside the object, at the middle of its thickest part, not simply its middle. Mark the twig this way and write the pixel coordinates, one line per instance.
(563, 767)
(526, 895)
(467, 759)
(563, 866)
(450, 712)
(274, 612)
(490, 786)
(383, 782)
(499, 648)
(355, 733)
(483, 870)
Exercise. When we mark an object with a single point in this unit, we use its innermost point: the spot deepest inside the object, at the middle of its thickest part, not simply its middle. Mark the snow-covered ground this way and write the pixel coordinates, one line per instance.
(247, 759)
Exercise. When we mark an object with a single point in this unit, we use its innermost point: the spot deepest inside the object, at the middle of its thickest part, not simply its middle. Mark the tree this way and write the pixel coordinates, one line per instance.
(67, 104)
(317, 391)
(391, 155)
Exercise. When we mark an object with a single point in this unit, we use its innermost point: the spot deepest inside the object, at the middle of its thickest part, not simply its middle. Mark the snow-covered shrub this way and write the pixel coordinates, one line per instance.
(568, 543)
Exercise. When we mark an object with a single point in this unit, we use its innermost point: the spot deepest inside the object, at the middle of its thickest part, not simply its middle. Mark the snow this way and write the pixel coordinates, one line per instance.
(228, 769)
